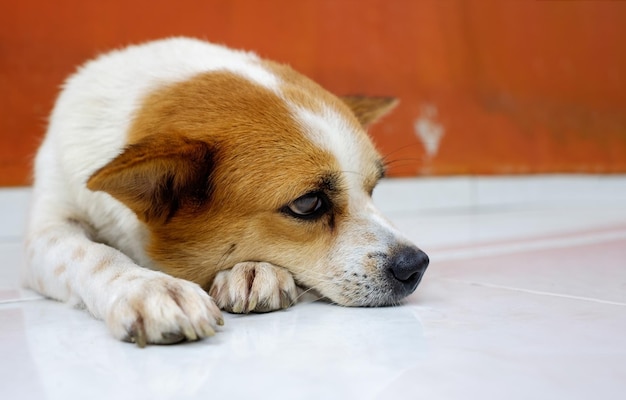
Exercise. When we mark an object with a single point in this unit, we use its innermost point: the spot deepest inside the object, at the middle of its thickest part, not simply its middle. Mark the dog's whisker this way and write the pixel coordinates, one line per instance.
(405, 159)
(225, 256)
(299, 296)
(390, 160)
(402, 148)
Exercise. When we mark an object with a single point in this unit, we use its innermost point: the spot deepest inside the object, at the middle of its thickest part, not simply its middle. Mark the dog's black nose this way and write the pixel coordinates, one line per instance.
(407, 266)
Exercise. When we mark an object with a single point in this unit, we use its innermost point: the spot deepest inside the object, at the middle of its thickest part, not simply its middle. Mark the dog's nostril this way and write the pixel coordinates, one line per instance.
(402, 274)
(409, 278)
(408, 266)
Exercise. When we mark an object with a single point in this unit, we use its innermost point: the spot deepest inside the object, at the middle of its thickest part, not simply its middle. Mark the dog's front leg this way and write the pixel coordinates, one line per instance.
(254, 287)
(137, 304)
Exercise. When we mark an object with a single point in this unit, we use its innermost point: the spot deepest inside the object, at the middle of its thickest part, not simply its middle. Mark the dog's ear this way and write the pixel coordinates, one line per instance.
(368, 109)
(158, 176)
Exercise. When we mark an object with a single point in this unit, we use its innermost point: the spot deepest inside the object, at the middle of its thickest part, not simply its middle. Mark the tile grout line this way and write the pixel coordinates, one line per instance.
(526, 245)
(21, 300)
(539, 292)
(601, 230)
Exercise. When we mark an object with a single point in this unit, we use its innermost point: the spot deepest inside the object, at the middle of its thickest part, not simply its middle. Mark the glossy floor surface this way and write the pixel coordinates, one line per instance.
(525, 298)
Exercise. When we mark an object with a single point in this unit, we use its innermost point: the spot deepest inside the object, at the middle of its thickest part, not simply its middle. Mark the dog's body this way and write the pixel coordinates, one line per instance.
(179, 166)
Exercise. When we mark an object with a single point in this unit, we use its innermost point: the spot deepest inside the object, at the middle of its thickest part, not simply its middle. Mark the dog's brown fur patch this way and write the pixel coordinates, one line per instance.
(209, 164)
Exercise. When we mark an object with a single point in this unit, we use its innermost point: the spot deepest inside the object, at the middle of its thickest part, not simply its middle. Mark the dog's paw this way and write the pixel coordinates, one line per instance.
(254, 287)
(163, 310)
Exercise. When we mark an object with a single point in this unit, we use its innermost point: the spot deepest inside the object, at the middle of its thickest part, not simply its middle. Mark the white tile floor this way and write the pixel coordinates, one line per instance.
(525, 299)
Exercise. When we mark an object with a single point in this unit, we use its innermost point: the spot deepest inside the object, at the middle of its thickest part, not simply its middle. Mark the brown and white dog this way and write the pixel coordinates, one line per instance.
(179, 166)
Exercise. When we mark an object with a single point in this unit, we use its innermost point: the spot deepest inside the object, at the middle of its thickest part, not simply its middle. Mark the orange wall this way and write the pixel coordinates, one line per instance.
(507, 86)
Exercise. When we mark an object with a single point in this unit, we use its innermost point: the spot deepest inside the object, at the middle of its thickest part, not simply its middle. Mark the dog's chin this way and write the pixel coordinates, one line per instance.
(361, 303)
(372, 298)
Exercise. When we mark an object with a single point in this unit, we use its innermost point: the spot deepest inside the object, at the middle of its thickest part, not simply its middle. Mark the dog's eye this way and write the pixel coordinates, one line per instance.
(309, 206)
(306, 205)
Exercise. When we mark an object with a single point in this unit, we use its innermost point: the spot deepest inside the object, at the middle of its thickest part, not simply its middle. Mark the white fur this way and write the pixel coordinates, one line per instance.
(329, 130)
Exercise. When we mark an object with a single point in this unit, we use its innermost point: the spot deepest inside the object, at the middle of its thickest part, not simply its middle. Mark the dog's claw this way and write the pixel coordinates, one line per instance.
(285, 301)
(187, 331)
(172, 337)
(238, 307)
(137, 335)
(252, 302)
(207, 331)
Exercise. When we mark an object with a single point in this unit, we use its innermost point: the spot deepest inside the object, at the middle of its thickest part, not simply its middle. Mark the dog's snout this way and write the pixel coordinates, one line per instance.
(407, 266)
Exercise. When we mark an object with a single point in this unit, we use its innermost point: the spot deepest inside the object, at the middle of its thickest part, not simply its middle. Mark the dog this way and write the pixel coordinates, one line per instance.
(179, 178)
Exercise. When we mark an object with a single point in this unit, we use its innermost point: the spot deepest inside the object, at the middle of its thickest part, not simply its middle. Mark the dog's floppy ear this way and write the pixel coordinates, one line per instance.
(370, 109)
(158, 176)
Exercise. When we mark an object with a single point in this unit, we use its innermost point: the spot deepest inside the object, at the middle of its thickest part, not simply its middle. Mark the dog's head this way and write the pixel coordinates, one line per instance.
(224, 168)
